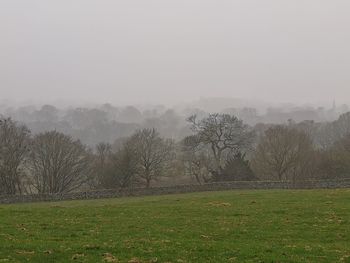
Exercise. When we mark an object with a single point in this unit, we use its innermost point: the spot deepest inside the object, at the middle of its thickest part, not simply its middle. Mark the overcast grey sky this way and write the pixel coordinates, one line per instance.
(173, 50)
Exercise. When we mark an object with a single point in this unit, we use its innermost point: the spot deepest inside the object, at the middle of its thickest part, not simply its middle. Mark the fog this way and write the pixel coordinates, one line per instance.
(161, 51)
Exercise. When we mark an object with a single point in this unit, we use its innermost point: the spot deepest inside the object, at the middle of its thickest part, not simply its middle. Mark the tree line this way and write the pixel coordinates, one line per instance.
(220, 147)
(106, 123)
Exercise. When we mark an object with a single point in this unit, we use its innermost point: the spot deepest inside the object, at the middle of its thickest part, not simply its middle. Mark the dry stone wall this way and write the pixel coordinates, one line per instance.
(115, 193)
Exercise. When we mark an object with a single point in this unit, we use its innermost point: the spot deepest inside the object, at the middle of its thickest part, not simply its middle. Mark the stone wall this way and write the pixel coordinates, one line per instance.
(114, 193)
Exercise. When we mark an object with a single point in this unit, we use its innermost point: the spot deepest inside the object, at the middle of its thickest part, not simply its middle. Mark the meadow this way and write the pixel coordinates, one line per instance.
(231, 226)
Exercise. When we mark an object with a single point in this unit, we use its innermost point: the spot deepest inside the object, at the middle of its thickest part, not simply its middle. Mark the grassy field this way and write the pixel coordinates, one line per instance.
(237, 226)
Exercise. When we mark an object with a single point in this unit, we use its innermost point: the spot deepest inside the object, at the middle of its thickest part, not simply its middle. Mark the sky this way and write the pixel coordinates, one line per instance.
(166, 51)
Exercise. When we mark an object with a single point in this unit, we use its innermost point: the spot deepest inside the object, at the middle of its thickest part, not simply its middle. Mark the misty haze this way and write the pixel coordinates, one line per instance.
(174, 131)
(170, 51)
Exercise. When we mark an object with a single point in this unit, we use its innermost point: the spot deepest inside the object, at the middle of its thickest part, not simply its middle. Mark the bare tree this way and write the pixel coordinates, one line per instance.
(328, 133)
(336, 159)
(224, 134)
(283, 153)
(58, 164)
(102, 158)
(153, 154)
(13, 150)
(342, 126)
(120, 169)
(104, 151)
(197, 159)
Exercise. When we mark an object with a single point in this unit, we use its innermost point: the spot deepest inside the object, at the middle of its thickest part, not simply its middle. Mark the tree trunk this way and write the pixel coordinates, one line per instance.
(148, 182)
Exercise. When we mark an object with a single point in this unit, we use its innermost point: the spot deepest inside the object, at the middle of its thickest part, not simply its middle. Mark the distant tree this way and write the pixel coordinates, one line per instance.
(104, 150)
(120, 170)
(283, 153)
(14, 140)
(23, 114)
(58, 164)
(169, 124)
(175, 168)
(308, 127)
(153, 154)
(83, 118)
(342, 126)
(197, 159)
(102, 157)
(130, 114)
(325, 135)
(336, 159)
(237, 168)
(110, 110)
(119, 143)
(249, 115)
(223, 134)
(328, 133)
(47, 113)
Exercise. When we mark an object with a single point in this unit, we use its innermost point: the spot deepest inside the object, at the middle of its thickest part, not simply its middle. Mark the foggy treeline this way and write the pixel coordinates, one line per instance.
(56, 150)
(107, 123)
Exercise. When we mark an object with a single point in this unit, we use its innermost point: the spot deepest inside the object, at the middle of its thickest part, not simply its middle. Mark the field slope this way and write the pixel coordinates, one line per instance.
(233, 226)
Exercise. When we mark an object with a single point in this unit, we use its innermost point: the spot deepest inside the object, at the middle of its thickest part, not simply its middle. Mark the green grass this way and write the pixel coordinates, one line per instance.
(233, 226)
